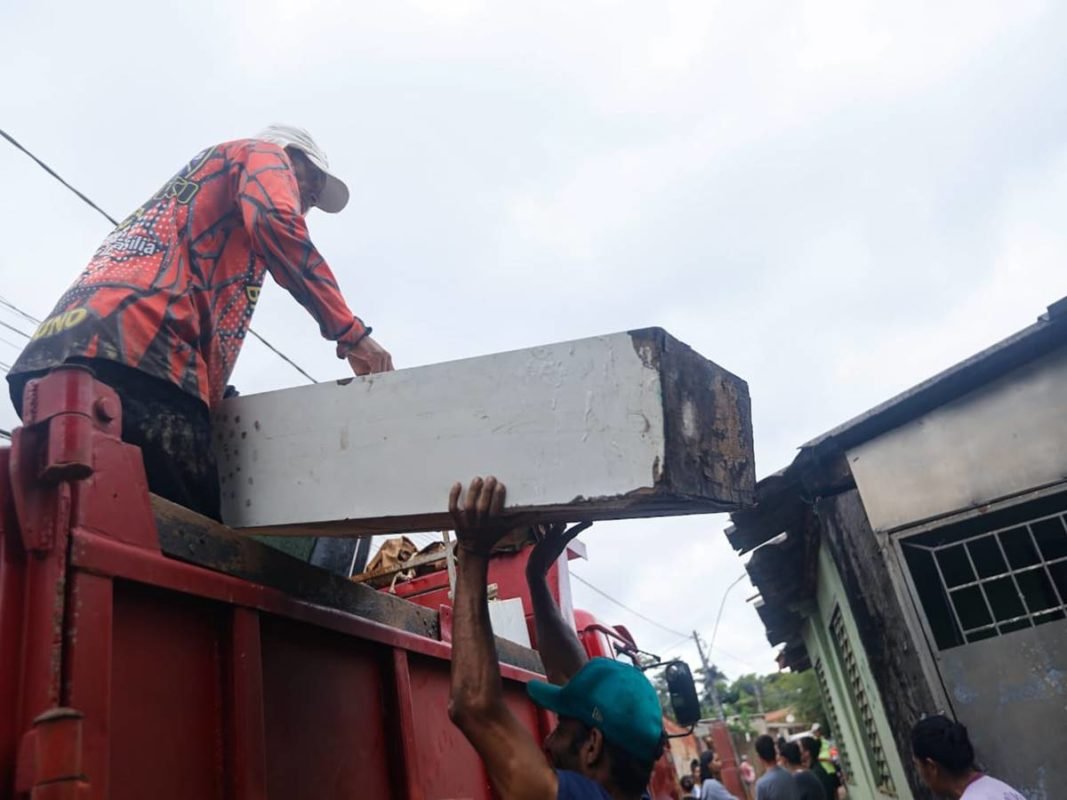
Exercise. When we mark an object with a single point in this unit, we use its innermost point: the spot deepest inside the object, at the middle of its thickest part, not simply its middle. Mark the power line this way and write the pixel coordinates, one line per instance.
(5, 302)
(683, 637)
(55, 175)
(607, 596)
(16, 330)
(114, 221)
(282, 356)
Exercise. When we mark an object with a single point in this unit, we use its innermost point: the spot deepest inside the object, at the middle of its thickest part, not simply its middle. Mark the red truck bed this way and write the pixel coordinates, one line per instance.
(146, 652)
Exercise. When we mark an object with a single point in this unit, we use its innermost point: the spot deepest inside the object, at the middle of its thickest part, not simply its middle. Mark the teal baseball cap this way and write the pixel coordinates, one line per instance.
(613, 697)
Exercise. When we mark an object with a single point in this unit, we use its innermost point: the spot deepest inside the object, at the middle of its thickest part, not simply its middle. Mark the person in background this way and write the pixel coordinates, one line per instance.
(610, 729)
(694, 772)
(808, 786)
(688, 787)
(810, 749)
(748, 775)
(711, 787)
(827, 754)
(775, 783)
(944, 759)
(162, 309)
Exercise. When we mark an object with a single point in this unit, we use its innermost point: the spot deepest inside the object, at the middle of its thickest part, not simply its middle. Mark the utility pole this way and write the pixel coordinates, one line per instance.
(757, 684)
(709, 679)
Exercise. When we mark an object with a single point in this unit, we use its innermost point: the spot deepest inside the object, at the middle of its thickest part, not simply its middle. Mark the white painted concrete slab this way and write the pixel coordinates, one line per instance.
(580, 430)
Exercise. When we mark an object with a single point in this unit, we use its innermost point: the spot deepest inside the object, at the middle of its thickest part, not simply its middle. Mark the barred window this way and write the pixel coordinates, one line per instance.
(831, 713)
(993, 574)
(873, 741)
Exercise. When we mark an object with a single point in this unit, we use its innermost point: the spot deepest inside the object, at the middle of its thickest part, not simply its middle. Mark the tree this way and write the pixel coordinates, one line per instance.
(707, 705)
(797, 690)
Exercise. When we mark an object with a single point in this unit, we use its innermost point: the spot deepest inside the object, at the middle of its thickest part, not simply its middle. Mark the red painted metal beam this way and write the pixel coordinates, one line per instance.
(247, 750)
(87, 671)
(407, 765)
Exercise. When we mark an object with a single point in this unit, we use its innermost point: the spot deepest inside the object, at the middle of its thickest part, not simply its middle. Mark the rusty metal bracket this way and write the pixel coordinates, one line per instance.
(62, 414)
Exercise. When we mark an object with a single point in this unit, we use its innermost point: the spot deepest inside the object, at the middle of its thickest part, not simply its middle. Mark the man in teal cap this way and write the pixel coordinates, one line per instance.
(610, 729)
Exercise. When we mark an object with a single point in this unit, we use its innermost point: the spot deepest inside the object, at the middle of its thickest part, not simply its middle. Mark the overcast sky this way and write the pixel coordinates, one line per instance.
(834, 200)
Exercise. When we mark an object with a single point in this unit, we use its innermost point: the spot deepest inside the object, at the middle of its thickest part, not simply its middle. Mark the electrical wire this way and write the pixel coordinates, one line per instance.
(13, 328)
(55, 175)
(622, 605)
(282, 356)
(8, 304)
(114, 221)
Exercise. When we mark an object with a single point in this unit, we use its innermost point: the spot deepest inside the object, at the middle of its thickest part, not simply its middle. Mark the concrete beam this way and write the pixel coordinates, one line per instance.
(627, 425)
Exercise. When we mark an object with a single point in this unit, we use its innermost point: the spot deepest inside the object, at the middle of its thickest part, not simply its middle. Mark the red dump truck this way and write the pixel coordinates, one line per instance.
(146, 652)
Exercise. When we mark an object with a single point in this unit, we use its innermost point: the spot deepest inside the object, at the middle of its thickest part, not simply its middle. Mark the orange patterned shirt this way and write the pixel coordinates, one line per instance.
(171, 291)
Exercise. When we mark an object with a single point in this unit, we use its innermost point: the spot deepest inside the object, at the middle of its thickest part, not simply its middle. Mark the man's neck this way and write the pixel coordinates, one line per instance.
(769, 765)
(959, 786)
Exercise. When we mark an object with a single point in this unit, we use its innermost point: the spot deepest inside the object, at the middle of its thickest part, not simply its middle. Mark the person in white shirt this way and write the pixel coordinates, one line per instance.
(944, 759)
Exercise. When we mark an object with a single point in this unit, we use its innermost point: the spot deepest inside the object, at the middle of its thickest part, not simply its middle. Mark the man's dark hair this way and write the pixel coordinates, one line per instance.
(705, 765)
(765, 747)
(811, 744)
(687, 783)
(628, 773)
(944, 741)
(791, 752)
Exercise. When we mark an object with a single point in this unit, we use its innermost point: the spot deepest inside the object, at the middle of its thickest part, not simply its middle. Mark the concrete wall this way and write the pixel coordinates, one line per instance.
(1001, 440)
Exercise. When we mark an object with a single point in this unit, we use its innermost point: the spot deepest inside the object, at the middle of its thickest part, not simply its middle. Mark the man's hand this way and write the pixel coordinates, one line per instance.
(552, 540)
(478, 520)
(368, 357)
(513, 758)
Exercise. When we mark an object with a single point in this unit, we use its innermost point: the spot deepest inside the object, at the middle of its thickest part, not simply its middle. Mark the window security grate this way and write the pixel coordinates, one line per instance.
(863, 707)
(977, 584)
(831, 712)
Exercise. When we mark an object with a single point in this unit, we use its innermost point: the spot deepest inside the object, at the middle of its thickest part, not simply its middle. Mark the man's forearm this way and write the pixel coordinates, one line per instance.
(561, 651)
(476, 683)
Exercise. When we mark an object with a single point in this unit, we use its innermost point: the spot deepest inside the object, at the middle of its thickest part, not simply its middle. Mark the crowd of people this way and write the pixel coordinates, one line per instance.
(793, 770)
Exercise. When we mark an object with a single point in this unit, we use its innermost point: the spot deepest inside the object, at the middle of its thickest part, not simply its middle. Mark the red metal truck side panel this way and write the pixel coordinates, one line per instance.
(11, 611)
(166, 709)
(128, 674)
(88, 670)
(448, 765)
(324, 713)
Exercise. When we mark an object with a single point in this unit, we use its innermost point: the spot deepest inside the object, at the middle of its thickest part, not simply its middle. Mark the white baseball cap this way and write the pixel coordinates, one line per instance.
(334, 195)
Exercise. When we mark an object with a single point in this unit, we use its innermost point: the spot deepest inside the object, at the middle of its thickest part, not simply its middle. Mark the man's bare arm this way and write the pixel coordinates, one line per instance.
(513, 759)
(561, 651)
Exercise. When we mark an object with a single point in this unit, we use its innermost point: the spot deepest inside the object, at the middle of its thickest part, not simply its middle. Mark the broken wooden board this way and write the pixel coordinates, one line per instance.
(626, 425)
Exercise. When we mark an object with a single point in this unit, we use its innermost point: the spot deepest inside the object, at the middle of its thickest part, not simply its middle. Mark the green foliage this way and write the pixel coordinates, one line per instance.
(799, 691)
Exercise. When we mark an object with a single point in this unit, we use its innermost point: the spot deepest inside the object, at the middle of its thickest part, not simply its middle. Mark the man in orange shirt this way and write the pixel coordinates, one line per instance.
(162, 309)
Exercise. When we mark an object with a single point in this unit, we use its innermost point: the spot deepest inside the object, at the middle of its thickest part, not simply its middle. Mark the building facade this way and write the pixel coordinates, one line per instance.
(925, 569)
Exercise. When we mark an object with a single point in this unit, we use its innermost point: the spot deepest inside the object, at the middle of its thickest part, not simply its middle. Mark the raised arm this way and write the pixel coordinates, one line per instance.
(561, 651)
(516, 765)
